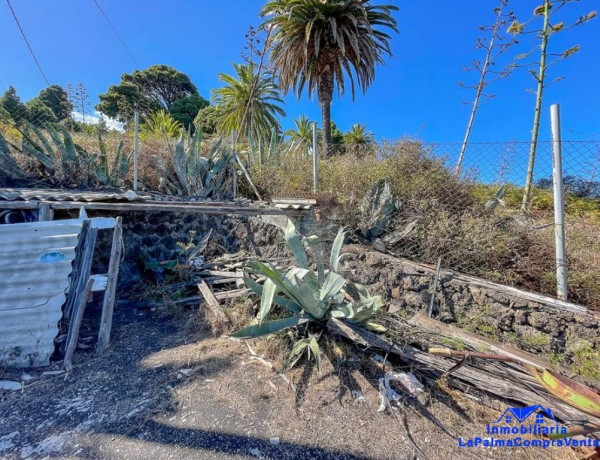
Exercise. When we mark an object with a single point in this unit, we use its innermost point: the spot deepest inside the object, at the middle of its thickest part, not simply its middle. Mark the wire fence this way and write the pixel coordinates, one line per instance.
(473, 221)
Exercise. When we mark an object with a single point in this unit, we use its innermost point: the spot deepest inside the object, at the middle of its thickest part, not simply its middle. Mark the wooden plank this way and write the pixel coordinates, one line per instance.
(100, 282)
(19, 204)
(212, 303)
(476, 341)
(45, 213)
(111, 288)
(231, 294)
(75, 324)
(223, 274)
(169, 207)
(82, 266)
(218, 280)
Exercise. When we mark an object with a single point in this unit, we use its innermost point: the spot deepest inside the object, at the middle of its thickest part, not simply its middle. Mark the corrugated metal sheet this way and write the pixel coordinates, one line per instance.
(24, 194)
(35, 263)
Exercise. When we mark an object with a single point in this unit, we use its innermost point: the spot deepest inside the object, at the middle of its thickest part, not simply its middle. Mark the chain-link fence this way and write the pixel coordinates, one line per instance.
(473, 220)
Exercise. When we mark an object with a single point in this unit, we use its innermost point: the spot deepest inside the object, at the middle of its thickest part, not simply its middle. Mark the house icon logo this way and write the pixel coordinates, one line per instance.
(521, 414)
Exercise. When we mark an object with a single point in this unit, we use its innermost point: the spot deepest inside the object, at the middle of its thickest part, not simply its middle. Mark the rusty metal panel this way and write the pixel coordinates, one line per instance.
(35, 263)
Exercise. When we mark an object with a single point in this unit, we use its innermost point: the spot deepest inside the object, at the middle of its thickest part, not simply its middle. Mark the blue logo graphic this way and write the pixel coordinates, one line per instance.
(521, 414)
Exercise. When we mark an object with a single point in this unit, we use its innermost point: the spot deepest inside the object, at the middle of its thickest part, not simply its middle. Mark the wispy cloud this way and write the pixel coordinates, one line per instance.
(95, 117)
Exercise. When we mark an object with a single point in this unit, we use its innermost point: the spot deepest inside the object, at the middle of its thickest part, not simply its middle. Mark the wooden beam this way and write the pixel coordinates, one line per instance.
(111, 288)
(45, 213)
(75, 324)
(213, 303)
(82, 266)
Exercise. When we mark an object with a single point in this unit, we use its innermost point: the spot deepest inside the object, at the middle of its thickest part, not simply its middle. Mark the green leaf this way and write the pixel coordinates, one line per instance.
(314, 347)
(332, 285)
(296, 353)
(269, 327)
(375, 327)
(295, 245)
(288, 304)
(266, 300)
(315, 243)
(336, 249)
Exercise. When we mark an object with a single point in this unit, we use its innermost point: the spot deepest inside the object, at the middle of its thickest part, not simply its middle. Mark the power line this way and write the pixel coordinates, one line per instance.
(117, 34)
(27, 42)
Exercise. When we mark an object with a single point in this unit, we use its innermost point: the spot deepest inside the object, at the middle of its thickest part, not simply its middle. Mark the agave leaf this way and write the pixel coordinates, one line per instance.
(269, 290)
(288, 304)
(334, 260)
(8, 165)
(278, 278)
(30, 148)
(293, 241)
(308, 296)
(45, 143)
(375, 327)
(69, 152)
(296, 353)
(273, 145)
(269, 327)
(332, 285)
(315, 243)
(314, 347)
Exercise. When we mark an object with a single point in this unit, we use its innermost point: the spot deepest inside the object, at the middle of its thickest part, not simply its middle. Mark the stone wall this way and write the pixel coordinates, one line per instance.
(538, 326)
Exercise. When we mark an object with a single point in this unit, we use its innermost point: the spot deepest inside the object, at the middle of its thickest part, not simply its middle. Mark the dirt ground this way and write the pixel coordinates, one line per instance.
(168, 389)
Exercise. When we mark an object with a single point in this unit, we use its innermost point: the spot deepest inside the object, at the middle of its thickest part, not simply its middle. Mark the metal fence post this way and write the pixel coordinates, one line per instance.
(233, 168)
(559, 206)
(136, 135)
(315, 159)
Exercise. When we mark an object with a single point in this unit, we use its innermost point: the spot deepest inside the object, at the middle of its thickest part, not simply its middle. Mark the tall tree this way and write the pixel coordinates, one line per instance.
(494, 47)
(206, 120)
(38, 113)
(56, 99)
(319, 44)
(186, 109)
(546, 12)
(249, 103)
(149, 90)
(11, 102)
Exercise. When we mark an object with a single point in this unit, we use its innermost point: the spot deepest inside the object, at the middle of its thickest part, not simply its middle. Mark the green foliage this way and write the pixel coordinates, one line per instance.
(318, 45)
(185, 110)
(310, 297)
(61, 162)
(249, 103)
(149, 90)
(206, 120)
(303, 131)
(55, 98)
(191, 174)
(586, 361)
(113, 176)
(38, 113)
(12, 104)
(9, 168)
(260, 152)
(161, 123)
(358, 135)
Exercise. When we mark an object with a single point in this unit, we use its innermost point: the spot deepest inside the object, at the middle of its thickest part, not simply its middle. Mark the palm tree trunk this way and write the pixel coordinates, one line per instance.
(325, 90)
(526, 205)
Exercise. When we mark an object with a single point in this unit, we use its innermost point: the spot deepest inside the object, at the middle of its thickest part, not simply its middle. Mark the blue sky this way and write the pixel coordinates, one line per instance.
(415, 94)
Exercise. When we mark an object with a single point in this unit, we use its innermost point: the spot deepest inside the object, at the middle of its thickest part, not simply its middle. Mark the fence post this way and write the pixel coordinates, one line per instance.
(559, 207)
(136, 135)
(233, 168)
(315, 159)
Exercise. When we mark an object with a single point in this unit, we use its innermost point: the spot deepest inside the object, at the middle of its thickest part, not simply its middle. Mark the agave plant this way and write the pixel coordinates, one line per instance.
(8, 165)
(62, 161)
(262, 153)
(191, 174)
(310, 297)
(111, 176)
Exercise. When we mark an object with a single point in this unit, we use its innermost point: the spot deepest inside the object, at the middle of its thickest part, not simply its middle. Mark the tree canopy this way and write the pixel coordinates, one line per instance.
(249, 103)
(55, 98)
(186, 109)
(319, 44)
(157, 87)
(11, 102)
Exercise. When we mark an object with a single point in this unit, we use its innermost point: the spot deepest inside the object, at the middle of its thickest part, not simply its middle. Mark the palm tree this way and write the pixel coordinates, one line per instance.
(318, 43)
(248, 103)
(358, 135)
(303, 131)
(161, 123)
